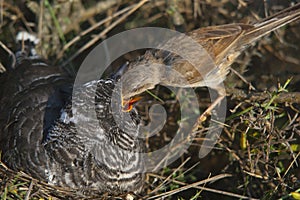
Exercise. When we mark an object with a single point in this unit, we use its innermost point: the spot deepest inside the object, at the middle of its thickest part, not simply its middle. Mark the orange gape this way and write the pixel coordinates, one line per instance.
(127, 105)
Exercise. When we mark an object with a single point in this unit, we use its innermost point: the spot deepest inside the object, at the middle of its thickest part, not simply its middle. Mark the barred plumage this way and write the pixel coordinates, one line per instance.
(41, 134)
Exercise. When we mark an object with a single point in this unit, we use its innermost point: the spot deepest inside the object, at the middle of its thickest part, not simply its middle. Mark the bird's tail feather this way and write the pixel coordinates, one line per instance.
(270, 24)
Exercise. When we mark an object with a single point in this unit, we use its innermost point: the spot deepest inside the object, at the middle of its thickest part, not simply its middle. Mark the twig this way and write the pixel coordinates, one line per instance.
(29, 191)
(91, 12)
(196, 185)
(104, 32)
(251, 87)
(170, 176)
(19, 14)
(77, 38)
(1, 15)
(10, 53)
(292, 163)
(40, 25)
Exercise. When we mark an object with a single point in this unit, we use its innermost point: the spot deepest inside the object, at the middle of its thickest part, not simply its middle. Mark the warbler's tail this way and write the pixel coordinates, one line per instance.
(270, 24)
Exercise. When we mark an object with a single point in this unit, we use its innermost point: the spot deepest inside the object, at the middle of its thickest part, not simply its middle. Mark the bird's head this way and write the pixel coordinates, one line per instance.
(133, 84)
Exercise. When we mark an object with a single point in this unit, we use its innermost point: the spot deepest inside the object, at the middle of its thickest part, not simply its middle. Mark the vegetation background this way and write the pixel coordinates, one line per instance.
(257, 155)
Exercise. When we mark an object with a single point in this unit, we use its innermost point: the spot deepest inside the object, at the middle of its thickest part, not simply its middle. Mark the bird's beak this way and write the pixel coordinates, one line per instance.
(127, 105)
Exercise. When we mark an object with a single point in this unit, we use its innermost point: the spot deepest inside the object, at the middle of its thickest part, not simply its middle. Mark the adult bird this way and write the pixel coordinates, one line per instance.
(222, 45)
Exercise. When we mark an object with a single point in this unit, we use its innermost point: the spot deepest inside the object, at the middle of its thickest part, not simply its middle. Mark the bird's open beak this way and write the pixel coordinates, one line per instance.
(127, 105)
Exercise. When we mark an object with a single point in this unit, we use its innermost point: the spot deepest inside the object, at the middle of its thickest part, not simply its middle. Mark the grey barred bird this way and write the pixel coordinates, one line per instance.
(43, 135)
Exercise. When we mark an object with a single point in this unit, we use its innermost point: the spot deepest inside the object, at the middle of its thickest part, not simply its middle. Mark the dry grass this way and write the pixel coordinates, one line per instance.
(257, 155)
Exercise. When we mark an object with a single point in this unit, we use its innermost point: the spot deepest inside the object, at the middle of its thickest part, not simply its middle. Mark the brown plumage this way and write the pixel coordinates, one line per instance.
(223, 44)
